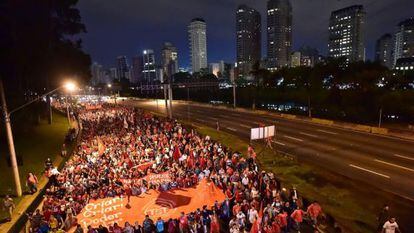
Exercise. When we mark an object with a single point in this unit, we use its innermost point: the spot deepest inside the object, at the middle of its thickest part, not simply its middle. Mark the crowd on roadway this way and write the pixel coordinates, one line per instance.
(116, 141)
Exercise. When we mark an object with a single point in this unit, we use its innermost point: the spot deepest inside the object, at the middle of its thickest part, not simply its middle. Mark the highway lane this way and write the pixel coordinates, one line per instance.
(387, 163)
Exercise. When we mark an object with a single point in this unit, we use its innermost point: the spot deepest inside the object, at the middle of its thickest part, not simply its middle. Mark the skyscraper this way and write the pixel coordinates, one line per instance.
(149, 73)
(113, 74)
(122, 67)
(384, 50)
(404, 40)
(169, 59)
(346, 33)
(137, 68)
(279, 33)
(248, 38)
(198, 44)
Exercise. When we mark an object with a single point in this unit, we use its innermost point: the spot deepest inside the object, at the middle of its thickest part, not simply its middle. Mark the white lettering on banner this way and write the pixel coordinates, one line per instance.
(105, 210)
(165, 206)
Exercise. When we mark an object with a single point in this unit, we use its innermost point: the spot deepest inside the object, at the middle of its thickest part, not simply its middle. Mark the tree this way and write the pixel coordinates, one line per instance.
(38, 44)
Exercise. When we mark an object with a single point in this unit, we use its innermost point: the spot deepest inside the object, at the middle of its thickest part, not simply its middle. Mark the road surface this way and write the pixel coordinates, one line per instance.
(384, 162)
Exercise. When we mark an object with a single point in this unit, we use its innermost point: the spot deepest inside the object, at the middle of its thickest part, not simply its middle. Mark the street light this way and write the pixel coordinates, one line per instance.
(68, 85)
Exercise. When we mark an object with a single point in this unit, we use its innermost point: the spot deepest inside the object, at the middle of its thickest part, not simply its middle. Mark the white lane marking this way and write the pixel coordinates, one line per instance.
(404, 157)
(308, 134)
(212, 118)
(202, 120)
(282, 144)
(232, 129)
(293, 138)
(326, 131)
(367, 170)
(245, 126)
(394, 165)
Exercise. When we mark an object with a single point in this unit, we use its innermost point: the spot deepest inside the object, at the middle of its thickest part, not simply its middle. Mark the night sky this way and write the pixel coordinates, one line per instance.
(126, 27)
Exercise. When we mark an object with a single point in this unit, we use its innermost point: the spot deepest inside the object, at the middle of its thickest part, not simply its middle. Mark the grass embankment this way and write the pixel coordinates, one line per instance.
(353, 205)
(34, 143)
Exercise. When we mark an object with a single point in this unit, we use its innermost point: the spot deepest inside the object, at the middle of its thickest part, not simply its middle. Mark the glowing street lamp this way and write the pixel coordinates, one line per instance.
(70, 86)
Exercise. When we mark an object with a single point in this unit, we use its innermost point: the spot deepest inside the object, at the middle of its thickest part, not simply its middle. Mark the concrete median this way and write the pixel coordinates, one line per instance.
(381, 131)
(322, 121)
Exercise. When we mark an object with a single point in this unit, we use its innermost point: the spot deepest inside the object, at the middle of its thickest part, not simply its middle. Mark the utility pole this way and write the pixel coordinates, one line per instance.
(380, 118)
(10, 141)
(170, 97)
(166, 98)
(49, 109)
(67, 111)
(234, 94)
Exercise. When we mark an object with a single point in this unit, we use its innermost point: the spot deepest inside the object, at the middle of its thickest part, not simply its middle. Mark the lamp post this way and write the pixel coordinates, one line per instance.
(12, 150)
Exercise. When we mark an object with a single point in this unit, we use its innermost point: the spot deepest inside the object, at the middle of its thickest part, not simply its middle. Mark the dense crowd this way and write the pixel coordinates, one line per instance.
(116, 141)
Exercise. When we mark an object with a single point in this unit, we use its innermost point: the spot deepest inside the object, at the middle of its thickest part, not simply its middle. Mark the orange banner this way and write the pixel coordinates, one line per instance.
(93, 107)
(156, 204)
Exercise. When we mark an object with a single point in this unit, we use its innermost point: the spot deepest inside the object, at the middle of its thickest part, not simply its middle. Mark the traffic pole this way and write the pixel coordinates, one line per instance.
(234, 94)
(10, 142)
(170, 95)
(68, 113)
(166, 99)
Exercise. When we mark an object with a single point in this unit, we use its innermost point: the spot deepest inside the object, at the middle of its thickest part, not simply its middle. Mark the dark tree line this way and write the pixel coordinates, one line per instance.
(39, 45)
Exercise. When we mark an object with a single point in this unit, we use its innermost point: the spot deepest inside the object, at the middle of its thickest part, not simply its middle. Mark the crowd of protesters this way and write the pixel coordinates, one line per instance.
(116, 140)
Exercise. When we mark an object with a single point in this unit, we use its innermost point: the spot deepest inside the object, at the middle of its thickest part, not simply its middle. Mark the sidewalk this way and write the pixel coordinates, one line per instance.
(26, 202)
(29, 202)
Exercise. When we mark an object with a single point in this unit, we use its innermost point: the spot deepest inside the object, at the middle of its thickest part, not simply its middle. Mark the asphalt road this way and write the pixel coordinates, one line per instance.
(384, 162)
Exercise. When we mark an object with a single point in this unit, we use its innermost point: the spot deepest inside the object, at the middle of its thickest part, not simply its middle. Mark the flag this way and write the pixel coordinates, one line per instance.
(177, 153)
(101, 146)
(125, 124)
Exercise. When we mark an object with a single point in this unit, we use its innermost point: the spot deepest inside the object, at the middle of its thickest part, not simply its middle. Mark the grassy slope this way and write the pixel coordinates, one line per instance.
(34, 144)
(353, 205)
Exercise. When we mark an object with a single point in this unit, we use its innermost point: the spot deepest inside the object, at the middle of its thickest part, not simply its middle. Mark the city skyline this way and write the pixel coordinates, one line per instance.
(382, 17)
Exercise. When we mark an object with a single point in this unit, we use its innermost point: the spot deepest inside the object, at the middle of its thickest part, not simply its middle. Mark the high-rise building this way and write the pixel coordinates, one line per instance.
(248, 38)
(279, 33)
(113, 74)
(384, 50)
(169, 59)
(198, 44)
(137, 68)
(97, 74)
(122, 67)
(404, 40)
(149, 70)
(346, 33)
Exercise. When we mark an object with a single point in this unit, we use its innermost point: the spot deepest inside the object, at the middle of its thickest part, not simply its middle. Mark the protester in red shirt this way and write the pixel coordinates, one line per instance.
(297, 217)
(314, 210)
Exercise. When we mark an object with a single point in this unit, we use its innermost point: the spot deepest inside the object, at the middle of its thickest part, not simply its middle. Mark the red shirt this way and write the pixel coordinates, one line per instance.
(183, 221)
(282, 218)
(297, 215)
